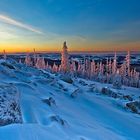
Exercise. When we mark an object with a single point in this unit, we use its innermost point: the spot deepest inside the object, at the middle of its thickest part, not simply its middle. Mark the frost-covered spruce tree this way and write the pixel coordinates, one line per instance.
(107, 72)
(34, 57)
(28, 60)
(72, 67)
(43, 65)
(87, 68)
(20, 61)
(65, 58)
(110, 66)
(93, 69)
(123, 74)
(128, 63)
(101, 75)
(114, 65)
(4, 55)
(60, 68)
(125, 71)
(97, 68)
(40, 64)
(83, 70)
(79, 68)
(83, 74)
(37, 65)
(47, 65)
(136, 76)
(117, 80)
(55, 68)
(107, 66)
(101, 69)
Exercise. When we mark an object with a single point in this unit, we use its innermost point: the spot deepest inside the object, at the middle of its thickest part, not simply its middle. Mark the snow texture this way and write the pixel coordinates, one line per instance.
(39, 105)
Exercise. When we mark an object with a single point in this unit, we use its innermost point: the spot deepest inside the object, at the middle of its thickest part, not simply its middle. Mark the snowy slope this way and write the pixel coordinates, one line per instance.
(52, 109)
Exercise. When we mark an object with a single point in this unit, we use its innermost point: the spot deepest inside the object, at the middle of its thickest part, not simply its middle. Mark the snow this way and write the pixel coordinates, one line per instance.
(90, 115)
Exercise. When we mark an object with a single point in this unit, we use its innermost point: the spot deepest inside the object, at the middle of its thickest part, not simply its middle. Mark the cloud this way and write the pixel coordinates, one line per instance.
(6, 36)
(11, 21)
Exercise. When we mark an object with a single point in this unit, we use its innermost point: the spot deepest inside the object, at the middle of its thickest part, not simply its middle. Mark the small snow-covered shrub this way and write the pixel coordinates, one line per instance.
(117, 81)
(9, 105)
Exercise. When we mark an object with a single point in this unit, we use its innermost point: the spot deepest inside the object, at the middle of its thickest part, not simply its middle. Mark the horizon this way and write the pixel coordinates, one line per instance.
(72, 52)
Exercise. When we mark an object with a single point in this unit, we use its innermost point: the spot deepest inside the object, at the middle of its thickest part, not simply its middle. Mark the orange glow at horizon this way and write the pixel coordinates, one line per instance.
(97, 47)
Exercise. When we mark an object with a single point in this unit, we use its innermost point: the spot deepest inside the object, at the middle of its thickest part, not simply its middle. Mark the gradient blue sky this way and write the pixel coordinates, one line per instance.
(84, 24)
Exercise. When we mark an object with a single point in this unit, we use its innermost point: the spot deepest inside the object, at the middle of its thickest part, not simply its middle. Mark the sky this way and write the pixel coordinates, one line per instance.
(86, 25)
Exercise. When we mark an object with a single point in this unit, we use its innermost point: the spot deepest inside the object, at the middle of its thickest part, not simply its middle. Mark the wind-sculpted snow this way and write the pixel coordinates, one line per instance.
(47, 106)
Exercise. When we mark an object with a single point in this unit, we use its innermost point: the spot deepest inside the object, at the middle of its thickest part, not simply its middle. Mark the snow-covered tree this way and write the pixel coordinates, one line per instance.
(114, 65)
(128, 63)
(20, 61)
(47, 65)
(93, 69)
(79, 68)
(34, 57)
(73, 67)
(40, 64)
(28, 60)
(107, 66)
(4, 55)
(101, 69)
(87, 68)
(110, 67)
(106, 73)
(65, 58)
(55, 68)
(117, 81)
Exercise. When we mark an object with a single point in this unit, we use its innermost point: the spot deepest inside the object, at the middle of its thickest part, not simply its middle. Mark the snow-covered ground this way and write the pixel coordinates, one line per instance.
(48, 107)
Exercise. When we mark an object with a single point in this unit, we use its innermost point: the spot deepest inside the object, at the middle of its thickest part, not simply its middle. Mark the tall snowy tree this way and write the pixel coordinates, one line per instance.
(28, 60)
(93, 69)
(114, 65)
(34, 57)
(4, 55)
(47, 65)
(110, 66)
(55, 68)
(40, 64)
(65, 58)
(107, 66)
(20, 61)
(101, 69)
(87, 68)
(128, 63)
